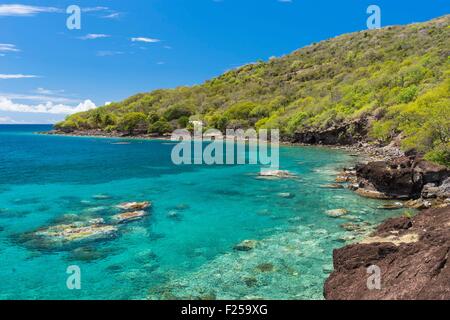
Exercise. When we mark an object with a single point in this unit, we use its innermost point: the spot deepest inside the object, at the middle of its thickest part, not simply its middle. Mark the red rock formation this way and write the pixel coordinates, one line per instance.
(412, 254)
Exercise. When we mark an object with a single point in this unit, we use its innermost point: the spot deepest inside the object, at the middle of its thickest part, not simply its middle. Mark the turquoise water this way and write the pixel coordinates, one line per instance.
(184, 249)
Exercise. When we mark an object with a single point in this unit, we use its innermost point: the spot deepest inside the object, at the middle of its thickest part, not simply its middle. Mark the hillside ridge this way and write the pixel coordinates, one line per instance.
(373, 85)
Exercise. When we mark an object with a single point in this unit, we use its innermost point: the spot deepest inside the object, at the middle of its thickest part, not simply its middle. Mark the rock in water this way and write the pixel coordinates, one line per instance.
(134, 205)
(68, 234)
(276, 174)
(391, 206)
(336, 213)
(101, 197)
(332, 186)
(286, 195)
(246, 245)
(127, 217)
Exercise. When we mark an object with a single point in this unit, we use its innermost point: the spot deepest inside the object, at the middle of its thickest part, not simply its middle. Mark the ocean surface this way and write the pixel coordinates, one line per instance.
(184, 248)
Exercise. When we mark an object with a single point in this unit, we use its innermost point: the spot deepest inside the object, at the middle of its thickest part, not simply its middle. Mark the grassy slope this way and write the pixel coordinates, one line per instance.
(397, 76)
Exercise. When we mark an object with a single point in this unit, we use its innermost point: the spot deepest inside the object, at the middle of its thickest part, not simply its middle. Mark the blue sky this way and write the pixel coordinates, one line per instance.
(126, 47)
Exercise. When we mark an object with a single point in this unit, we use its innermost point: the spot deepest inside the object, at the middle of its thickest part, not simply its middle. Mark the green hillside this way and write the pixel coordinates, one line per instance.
(397, 77)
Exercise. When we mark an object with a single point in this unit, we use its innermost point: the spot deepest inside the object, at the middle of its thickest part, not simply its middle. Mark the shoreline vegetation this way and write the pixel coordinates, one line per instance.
(383, 95)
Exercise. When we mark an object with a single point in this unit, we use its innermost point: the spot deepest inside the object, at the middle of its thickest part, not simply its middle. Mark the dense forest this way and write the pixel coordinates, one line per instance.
(397, 77)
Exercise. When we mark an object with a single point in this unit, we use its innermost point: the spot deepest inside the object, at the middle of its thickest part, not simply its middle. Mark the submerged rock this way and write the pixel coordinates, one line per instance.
(250, 282)
(101, 197)
(336, 213)
(286, 195)
(332, 186)
(392, 206)
(68, 234)
(276, 174)
(134, 205)
(265, 267)
(87, 254)
(246, 245)
(127, 217)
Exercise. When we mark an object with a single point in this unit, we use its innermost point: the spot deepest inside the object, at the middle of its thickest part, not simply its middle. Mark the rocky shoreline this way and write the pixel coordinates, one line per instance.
(411, 254)
(102, 134)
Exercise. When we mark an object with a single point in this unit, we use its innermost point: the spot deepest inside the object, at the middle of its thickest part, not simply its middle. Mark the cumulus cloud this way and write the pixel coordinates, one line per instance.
(16, 76)
(93, 36)
(7, 47)
(24, 10)
(146, 40)
(48, 107)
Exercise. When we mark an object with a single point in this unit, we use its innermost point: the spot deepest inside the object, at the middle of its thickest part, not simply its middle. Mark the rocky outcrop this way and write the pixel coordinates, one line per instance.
(412, 255)
(402, 178)
(344, 134)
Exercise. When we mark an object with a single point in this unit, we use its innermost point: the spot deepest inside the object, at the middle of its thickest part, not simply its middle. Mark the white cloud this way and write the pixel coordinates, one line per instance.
(48, 107)
(48, 91)
(94, 9)
(143, 39)
(24, 10)
(113, 15)
(16, 76)
(93, 36)
(6, 120)
(108, 53)
(7, 47)
(38, 98)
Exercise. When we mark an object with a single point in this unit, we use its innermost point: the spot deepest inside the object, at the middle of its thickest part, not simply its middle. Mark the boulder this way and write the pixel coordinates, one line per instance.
(246, 245)
(64, 235)
(134, 205)
(401, 178)
(412, 255)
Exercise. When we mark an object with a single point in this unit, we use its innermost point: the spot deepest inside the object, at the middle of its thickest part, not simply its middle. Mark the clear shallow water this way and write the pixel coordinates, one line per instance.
(185, 248)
